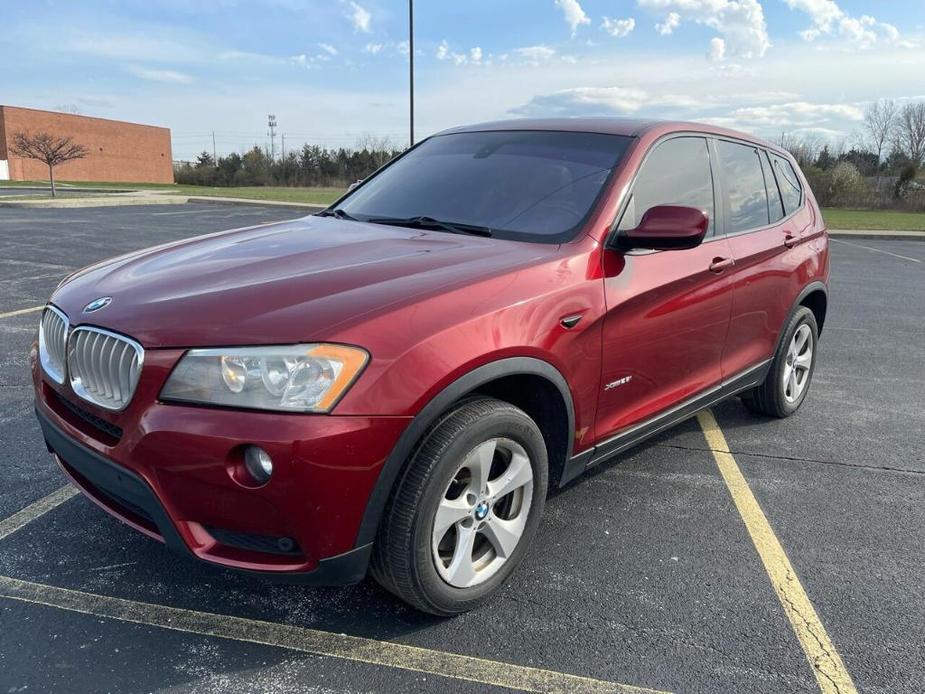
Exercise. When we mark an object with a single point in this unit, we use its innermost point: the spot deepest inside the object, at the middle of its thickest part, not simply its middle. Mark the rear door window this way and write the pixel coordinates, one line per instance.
(775, 205)
(789, 182)
(676, 172)
(746, 196)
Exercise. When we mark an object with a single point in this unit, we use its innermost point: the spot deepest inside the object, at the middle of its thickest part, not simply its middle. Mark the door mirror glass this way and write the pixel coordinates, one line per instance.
(667, 227)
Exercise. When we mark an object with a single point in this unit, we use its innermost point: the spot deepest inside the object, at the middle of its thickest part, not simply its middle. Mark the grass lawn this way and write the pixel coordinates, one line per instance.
(874, 219)
(318, 196)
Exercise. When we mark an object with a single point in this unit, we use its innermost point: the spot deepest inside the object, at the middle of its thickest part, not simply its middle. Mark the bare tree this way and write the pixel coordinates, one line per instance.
(48, 149)
(805, 148)
(910, 132)
(880, 119)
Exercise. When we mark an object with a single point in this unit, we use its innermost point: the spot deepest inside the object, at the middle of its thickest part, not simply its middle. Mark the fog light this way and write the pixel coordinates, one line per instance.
(258, 463)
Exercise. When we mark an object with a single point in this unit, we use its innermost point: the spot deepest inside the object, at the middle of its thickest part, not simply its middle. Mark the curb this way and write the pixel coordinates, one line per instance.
(200, 199)
(109, 201)
(876, 234)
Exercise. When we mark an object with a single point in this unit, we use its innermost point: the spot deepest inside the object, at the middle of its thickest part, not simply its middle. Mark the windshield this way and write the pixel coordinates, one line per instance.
(525, 185)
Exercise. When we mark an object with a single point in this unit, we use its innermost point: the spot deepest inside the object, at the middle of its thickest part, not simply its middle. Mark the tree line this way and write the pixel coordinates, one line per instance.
(881, 166)
(312, 165)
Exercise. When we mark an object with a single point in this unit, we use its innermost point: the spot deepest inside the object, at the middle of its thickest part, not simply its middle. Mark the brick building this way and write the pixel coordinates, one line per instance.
(118, 151)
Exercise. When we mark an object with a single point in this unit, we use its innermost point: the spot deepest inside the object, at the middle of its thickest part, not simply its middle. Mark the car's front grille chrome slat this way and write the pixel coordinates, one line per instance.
(53, 330)
(104, 367)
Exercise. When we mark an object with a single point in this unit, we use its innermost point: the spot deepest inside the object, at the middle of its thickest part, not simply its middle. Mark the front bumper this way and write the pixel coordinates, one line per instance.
(126, 496)
(164, 470)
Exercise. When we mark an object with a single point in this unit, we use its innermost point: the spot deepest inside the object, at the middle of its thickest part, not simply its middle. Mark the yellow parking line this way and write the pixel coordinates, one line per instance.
(10, 525)
(10, 314)
(353, 648)
(826, 663)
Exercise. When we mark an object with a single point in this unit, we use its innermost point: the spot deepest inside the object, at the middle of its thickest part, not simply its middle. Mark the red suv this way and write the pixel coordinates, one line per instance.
(394, 383)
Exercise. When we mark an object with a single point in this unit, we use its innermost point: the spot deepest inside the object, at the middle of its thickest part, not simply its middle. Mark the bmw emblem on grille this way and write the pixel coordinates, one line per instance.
(97, 304)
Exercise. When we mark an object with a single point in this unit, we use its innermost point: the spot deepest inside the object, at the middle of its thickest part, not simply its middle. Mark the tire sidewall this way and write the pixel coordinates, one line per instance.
(506, 424)
(803, 316)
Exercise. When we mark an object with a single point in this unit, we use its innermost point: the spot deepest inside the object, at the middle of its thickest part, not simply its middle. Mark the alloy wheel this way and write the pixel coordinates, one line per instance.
(483, 513)
(795, 374)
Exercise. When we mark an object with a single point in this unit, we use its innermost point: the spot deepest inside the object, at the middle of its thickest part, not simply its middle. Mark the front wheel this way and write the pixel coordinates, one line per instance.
(462, 515)
(791, 372)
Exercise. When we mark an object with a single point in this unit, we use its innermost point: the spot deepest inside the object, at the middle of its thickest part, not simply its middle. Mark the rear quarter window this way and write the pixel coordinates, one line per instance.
(790, 188)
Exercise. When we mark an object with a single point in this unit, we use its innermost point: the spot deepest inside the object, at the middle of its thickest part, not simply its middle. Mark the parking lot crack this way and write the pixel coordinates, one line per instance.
(875, 468)
(808, 627)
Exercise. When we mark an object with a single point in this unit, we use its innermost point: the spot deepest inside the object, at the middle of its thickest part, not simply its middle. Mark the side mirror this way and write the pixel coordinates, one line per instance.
(667, 228)
(354, 184)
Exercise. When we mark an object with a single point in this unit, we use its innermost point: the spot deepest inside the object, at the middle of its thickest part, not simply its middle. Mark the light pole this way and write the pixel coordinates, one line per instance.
(411, 70)
(271, 123)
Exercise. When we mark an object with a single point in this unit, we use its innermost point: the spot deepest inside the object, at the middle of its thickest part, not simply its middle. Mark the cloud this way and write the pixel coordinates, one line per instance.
(573, 13)
(585, 101)
(618, 28)
(155, 75)
(831, 20)
(739, 23)
(361, 18)
(717, 51)
(767, 108)
(672, 22)
(793, 114)
(374, 48)
(328, 48)
(444, 52)
(534, 55)
(132, 46)
(250, 58)
(610, 101)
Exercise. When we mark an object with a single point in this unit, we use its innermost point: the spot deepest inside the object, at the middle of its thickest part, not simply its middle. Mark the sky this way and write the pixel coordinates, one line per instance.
(336, 71)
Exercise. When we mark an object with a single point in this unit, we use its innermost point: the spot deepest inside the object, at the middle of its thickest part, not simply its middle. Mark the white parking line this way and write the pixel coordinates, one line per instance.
(21, 311)
(876, 250)
(170, 214)
(315, 642)
(10, 525)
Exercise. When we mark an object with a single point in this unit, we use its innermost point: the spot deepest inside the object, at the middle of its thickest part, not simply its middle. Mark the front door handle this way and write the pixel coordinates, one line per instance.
(720, 264)
(790, 240)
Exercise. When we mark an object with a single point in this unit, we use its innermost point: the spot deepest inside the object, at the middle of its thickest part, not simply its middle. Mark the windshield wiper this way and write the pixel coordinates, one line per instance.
(425, 222)
(337, 214)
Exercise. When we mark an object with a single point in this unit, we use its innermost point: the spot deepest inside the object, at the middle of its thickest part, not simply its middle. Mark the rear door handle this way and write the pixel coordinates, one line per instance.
(720, 264)
(790, 240)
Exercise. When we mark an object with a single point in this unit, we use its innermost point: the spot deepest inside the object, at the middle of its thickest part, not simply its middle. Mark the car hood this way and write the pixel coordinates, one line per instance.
(280, 283)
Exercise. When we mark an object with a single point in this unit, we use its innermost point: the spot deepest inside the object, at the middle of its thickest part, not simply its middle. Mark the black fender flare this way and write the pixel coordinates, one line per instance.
(805, 292)
(512, 366)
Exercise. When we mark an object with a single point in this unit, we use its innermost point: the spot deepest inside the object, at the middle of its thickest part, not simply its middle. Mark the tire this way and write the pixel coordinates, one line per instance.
(473, 467)
(782, 394)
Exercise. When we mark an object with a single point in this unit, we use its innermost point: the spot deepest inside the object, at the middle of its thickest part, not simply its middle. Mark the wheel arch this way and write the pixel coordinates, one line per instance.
(506, 379)
(814, 296)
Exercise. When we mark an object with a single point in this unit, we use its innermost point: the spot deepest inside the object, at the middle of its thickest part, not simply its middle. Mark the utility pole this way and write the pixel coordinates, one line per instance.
(283, 136)
(214, 155)
(271, 122)
(411, 70)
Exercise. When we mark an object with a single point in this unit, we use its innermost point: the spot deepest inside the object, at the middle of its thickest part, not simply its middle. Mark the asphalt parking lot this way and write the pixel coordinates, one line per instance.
(644, 573)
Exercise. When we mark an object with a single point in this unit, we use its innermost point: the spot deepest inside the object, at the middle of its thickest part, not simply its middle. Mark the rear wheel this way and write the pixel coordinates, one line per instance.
(791, 372)
(462, 516)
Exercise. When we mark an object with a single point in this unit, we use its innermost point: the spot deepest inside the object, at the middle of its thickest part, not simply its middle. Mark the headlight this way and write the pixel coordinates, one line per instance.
(299, 378)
